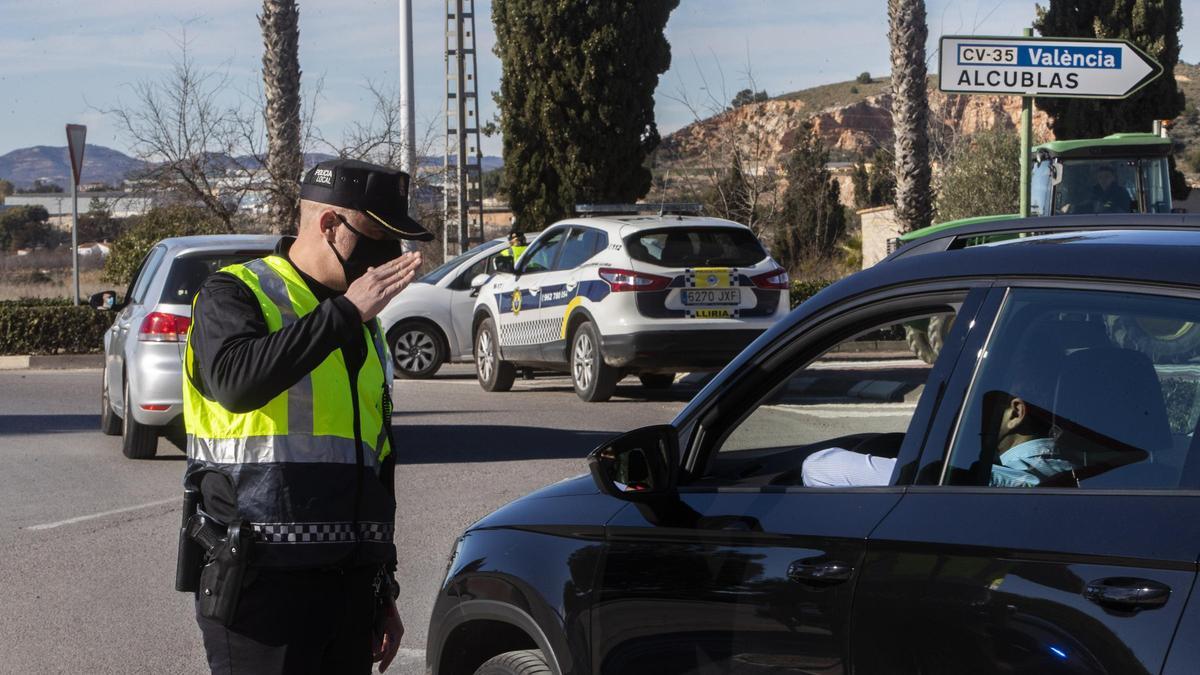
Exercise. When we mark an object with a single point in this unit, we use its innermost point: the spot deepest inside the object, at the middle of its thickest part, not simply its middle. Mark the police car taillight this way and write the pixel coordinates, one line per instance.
(163, 327)
(628, 280)
(776, 280)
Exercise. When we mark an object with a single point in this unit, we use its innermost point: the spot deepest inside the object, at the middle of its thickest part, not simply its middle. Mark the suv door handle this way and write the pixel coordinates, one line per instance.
(821, 572)
(1127, 593)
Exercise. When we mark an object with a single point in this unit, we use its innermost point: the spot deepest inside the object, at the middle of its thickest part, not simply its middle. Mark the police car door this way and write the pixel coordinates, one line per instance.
(523, 330)
(560, 287)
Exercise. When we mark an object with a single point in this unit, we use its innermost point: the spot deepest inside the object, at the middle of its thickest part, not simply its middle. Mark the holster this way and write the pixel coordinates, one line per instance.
(227, 551)
(190, 557)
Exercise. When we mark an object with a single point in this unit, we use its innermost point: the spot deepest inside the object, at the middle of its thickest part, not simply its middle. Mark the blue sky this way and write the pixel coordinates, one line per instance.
(64, 59)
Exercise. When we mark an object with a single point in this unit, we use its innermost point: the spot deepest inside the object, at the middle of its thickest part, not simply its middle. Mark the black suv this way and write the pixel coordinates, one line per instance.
(1027, 503)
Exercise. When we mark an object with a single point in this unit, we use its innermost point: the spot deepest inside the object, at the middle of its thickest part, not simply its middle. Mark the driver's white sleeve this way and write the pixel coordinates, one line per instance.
(839, 467)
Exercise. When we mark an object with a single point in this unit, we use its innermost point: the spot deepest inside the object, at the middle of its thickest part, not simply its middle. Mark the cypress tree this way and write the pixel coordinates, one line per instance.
(576, 101)
(1152, 25)
(813, 219)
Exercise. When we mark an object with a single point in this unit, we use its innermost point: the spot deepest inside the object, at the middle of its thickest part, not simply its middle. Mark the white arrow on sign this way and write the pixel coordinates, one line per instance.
(76, 136)
(1043, 67)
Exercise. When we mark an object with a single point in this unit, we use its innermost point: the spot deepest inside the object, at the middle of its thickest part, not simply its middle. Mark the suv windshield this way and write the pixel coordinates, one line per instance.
(445, 268)
(693, 247)
(188, 272)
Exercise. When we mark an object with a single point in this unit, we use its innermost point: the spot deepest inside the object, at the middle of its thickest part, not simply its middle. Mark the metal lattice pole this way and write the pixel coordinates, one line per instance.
(462, 182)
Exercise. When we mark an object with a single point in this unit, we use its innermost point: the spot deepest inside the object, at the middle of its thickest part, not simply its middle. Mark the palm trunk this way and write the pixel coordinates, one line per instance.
(281, 83)
(910, 112)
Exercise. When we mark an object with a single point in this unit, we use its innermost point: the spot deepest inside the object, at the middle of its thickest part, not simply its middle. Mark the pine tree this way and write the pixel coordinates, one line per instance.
(1152, 25)
(576, 101)
(907, 32)
(812, 219)
(280, 23)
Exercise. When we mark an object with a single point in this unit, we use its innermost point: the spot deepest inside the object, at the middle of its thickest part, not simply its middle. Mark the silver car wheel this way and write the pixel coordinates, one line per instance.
(415, 351)
(486, 359)
(582, 358)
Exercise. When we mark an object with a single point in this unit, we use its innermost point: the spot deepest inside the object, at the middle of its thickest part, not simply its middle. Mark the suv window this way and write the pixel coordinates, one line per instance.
(581, 244)
(481, 266)
(849, 408)
(188, 273)
(541, 254)
(137, 291)
(439, 272)
(1082, 389)
(696, 247)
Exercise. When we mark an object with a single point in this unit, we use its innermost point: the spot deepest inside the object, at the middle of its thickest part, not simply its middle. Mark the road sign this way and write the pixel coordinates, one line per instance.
(1043, 67)
(76, 135)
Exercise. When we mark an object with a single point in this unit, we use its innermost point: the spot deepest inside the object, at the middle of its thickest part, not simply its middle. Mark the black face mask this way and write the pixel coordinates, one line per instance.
(367, 253)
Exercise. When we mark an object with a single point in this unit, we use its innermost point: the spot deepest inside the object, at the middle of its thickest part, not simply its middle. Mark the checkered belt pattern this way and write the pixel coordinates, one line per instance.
(321, 533)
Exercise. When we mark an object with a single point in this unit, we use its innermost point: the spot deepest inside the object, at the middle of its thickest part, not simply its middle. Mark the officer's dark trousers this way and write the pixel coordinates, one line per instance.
(296, 622)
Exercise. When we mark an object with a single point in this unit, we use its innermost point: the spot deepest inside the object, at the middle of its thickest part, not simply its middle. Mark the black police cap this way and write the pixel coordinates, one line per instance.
(378, 192)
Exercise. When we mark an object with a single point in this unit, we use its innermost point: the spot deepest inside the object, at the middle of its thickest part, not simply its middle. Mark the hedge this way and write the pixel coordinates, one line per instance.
(803, 289)
(36, 326)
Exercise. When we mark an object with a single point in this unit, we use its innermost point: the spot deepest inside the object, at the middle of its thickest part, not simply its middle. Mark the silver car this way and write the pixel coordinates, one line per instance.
(142, 390)
(430, 322)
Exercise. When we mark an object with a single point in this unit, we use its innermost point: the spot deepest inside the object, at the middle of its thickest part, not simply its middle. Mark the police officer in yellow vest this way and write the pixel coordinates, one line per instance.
(516, 246)
(287, 407)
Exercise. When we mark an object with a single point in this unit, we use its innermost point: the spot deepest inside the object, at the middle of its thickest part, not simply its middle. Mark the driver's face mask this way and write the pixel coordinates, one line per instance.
(367, 253)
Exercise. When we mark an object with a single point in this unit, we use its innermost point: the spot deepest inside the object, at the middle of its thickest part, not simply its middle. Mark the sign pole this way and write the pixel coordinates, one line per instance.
(1026, 144)
(75, 235)
(76, 142)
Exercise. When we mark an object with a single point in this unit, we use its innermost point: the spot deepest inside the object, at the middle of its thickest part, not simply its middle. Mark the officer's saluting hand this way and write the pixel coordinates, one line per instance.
(288, 413)
(371, 292)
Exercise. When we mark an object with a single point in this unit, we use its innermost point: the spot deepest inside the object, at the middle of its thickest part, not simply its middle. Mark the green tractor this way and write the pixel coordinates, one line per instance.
(1121, 173)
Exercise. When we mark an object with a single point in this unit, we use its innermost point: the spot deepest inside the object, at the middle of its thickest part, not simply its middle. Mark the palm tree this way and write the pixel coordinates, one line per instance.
(280, 21)
(910, 112)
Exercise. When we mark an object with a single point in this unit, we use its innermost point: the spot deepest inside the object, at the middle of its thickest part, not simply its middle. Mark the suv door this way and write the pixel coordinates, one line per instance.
(1054, 522)
(748, 570)
(560, 286)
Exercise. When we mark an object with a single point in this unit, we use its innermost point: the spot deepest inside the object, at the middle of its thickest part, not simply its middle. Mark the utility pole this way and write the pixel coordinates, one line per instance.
(462, 190)
(408, 133)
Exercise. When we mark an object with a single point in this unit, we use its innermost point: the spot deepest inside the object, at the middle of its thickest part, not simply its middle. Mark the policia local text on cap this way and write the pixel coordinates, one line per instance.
(289, 491)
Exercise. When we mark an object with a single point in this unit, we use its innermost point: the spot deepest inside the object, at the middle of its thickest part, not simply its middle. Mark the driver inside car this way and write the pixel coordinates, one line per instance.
(1016, 432)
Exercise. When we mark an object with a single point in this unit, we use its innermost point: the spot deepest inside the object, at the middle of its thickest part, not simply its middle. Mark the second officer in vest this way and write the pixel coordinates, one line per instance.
(287, 409)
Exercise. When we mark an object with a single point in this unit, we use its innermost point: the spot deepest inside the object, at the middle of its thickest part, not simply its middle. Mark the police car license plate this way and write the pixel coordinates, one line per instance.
(712, 296)
(712, 314)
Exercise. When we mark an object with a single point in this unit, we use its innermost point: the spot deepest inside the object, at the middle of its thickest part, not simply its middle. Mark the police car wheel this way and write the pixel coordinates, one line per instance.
(110, 424)
(657, 380)
(594, 379)
(138, 441)
(523, 662)
(493, 374)
(417, 351)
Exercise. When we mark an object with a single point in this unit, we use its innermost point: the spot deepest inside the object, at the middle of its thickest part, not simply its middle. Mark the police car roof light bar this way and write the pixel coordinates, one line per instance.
(662, 209)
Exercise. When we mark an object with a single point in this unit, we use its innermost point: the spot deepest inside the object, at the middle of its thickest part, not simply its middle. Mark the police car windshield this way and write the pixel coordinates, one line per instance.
(699, 246)
(447, 267)
(188, 272)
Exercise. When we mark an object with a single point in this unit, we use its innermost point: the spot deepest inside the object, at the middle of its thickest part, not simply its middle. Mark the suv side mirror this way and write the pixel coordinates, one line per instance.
(104, 301)
(478, 281)
(638, 465)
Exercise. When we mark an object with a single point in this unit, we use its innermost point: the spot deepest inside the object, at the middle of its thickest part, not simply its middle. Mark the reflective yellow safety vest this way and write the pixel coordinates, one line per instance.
(305, 481)
(514, 252)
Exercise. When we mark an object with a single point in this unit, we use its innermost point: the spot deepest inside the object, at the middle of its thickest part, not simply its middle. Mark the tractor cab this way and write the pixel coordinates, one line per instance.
(1122, 173)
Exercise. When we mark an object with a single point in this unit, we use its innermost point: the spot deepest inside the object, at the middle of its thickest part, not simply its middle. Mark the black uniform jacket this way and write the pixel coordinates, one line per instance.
(242, 365)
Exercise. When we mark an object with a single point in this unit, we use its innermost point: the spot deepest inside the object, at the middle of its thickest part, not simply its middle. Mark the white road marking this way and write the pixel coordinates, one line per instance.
(850, 411)
(849, 364)
(102, 514)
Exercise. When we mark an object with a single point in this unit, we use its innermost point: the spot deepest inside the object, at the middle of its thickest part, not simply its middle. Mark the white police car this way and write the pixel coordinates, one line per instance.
(603, 297)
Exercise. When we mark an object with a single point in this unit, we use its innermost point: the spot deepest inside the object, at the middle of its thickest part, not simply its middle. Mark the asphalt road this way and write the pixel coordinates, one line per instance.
(87, 537)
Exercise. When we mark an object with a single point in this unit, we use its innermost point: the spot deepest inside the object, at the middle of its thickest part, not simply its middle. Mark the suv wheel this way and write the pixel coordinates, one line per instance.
(138, 441)
(594, 379)
(417, 351)
(524, 662)
(493, 374)
(110, 424)
(657, 380)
